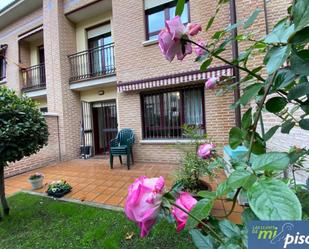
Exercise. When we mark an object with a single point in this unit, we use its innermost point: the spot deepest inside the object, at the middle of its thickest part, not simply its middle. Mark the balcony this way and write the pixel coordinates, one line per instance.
(33, 78)
(92, 63)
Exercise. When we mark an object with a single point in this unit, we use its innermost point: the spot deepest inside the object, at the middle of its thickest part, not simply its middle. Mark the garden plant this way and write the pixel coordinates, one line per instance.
(280, 87)
(23, 132)
(200, 159)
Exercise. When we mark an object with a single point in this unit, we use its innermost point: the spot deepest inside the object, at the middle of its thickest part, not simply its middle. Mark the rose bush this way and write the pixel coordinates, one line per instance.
(279, 86)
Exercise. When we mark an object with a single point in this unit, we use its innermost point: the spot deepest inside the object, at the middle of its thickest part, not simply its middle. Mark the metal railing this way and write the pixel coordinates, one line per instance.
(91, 63)
(33, 77)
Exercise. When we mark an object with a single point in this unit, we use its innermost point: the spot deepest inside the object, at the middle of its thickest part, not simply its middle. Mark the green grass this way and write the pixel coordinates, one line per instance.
(40, 222)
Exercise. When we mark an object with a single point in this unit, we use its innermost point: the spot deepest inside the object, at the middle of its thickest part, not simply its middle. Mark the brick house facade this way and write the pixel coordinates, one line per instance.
(99, 65)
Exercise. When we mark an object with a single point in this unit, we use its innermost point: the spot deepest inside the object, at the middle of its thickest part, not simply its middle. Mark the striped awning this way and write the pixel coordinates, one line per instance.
(174, 79)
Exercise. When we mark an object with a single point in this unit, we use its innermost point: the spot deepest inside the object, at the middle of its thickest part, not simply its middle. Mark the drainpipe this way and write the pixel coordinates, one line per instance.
(235, 54)
(266, 17)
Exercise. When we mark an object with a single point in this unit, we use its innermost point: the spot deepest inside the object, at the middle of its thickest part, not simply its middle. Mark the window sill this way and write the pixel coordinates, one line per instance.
(166, 141)
(3, 81)
(150, 42)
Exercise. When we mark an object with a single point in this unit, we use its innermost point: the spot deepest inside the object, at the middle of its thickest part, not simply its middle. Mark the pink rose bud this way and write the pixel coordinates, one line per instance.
(193, 28)
(143, 202)
(198, 50)
(187, 202)
(205, 150)
(211, 83)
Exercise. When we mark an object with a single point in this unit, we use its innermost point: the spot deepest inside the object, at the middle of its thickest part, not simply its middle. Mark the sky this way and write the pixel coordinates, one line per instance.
(4, 3)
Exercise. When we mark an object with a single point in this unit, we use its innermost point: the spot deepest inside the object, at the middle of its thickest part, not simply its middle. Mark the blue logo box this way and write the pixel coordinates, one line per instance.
(278, 235)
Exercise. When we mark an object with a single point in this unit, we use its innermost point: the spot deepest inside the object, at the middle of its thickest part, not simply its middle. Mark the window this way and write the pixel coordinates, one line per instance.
(165, 113)
(156, 17)
(44, 109)
(2, 68)
(100, 50)
(3, 49)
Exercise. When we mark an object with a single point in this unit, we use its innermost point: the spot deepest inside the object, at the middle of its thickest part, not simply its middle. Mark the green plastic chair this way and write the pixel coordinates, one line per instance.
(122, 145)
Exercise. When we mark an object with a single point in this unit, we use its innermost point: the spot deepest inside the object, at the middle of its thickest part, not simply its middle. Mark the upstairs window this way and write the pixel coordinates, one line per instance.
(2, 62)
(165, 113)
(157, 12)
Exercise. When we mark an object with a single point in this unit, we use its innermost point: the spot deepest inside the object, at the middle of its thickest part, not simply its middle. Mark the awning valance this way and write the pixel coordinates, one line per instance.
(174, 79)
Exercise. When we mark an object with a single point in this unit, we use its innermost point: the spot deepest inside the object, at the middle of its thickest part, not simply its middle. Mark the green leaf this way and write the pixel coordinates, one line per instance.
(252, 18)
(241, 178)
(258, 147)
(287, 126)
(300, 37)
(180, 7)
(201, 241)
(280, 33)
(229, 246)
(304, 124)
(275, 104)
(201, 210)
(250, 92)
(301, 13)
(271, 132)
(275, 58)
(246, 120)
(247, 215)
(305, 107)
(298, 91)
(235, 137)
(300, 62)
(205, 64)
(284, 78)
(271, 161)
(222, 189)
(210, 22)
(218, 35)
(271, 199)
(229, 229)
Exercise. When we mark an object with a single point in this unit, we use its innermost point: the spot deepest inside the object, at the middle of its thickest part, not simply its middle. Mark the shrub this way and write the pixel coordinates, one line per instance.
(23, 132)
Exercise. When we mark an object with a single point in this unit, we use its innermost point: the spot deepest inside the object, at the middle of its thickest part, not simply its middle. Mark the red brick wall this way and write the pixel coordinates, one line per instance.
(47, 155)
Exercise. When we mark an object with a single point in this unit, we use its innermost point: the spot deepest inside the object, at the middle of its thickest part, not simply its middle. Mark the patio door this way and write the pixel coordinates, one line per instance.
(105, 125)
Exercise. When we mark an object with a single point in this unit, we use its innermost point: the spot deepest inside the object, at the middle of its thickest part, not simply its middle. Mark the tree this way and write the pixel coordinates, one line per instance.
(23, 132)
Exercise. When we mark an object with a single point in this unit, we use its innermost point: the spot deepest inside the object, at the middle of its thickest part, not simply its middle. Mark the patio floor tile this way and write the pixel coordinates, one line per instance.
(92, 180)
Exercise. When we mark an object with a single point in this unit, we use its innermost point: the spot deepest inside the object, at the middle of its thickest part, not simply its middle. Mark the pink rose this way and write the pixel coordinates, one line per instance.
(171, 48)
(170, 41)
(175, 28)
(187, 202)
(144, 202)
(211, 83)
(205, 150)
(198, 50)
(193, 29)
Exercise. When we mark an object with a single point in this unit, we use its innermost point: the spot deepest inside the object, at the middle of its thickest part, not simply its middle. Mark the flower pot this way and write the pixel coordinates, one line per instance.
(58, 194)
(36, 183)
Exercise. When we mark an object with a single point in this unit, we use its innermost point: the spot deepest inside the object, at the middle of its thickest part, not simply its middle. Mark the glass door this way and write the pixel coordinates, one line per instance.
(105, 124)
(100, 54)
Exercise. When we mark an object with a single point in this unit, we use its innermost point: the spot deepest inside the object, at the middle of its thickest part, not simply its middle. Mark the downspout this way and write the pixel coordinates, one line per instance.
(266, 17)
(235, 55)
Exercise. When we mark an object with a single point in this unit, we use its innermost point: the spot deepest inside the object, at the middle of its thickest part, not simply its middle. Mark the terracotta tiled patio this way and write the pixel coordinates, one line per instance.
(93, 181)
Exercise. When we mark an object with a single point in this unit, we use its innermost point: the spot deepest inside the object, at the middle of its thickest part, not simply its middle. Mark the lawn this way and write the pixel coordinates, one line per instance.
(40, 222)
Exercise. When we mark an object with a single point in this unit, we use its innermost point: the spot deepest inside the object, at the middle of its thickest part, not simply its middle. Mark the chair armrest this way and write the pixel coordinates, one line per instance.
(114, 142)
